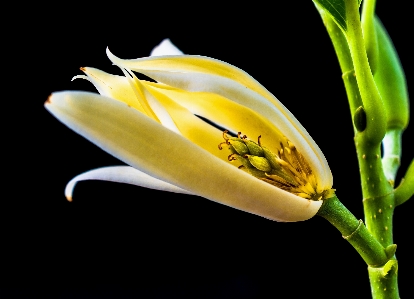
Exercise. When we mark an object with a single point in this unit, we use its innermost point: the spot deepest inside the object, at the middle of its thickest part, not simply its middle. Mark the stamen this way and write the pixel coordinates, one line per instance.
(281, 180)
(287, 150)
(225, 135)
(232, 157)
(220, 147)
(285, 168)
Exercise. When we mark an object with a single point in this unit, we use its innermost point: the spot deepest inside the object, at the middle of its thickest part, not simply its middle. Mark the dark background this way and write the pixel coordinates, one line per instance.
(110, 242)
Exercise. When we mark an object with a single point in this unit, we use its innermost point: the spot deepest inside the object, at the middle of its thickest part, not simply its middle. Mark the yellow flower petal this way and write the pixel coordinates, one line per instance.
(147, 146)
(225, 113)
(192, 127)
(113, 86)
(197, 73)
(184, 121)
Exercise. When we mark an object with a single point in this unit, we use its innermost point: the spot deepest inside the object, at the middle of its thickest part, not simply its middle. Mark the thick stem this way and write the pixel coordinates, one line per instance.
(362, 91)
(379, 204)
(370, 36)
(384, 281)
(371, 99)
(345, 61)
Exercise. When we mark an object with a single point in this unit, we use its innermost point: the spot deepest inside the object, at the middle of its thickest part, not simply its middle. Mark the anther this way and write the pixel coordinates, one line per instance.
(231, 157)
(238, 135)
(225, 135)
(220, 147)
(258, 140)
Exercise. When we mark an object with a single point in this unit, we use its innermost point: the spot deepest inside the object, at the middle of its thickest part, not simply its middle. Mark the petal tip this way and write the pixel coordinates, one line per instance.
(166, 47)
(49, 100)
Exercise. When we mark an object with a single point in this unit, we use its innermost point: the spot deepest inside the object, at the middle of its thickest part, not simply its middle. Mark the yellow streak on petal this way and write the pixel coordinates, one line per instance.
(205, 65)
(113, 86)
(227, 113)
(191, 127)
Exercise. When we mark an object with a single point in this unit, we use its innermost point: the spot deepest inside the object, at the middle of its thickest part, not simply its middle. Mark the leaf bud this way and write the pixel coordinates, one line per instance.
(360, 119)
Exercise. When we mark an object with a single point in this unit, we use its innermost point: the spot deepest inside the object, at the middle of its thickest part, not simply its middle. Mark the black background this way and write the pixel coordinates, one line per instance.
(114, 240)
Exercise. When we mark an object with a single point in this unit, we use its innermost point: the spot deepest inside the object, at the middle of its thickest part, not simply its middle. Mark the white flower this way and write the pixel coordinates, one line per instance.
(155, 128)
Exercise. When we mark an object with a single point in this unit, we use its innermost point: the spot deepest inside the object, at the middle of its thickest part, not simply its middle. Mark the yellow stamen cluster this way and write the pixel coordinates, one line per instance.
(287, 169)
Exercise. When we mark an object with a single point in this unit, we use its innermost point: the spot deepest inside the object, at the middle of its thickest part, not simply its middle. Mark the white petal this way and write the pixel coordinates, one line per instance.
(198, 73)
(122, 174)
(146, 145)
(166, 47)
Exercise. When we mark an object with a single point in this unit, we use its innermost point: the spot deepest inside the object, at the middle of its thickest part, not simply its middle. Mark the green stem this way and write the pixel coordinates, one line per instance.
(345, 61)
(378, 194)
(379, 204)
(379, 197)
(370, 36)
(371, 99)
(355, 232)
(384, 281)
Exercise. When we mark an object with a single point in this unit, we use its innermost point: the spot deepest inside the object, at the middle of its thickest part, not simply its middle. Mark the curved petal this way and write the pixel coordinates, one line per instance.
(220, 110)
(122, 174)
(113, 86)
(185, 122)
(146, 145)
(166, 47)
(198, 73)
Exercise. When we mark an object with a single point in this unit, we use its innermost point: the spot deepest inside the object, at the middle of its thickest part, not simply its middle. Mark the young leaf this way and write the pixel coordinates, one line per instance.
(336, 8)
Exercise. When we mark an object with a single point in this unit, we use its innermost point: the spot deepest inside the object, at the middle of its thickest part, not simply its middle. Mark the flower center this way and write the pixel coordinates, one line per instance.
(286, 169)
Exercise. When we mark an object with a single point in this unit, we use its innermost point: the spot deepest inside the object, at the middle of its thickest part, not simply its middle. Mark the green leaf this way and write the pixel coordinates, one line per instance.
(336, 8)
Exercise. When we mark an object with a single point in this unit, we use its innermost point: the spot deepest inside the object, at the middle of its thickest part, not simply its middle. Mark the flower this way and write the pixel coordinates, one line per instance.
(159, 129)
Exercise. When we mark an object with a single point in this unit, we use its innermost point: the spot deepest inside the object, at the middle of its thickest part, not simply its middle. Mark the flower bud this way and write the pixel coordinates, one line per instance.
(254, 148)
(271, 157)
(260, 163)
(238, 146)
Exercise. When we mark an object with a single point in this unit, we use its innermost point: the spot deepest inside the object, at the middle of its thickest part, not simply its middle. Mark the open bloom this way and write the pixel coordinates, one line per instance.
(160, 130)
